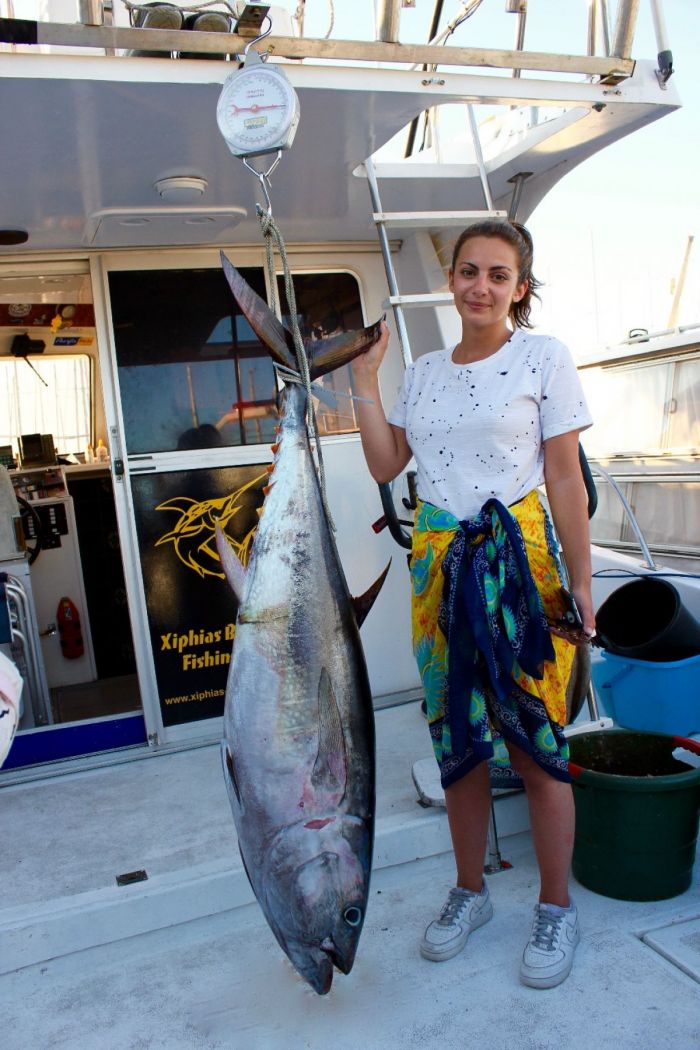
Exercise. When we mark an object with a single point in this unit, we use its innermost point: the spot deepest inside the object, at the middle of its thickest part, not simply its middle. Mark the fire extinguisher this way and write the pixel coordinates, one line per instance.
(69, 630)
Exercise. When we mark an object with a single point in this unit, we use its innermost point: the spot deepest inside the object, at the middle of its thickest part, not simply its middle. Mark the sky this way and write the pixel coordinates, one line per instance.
(611, 237)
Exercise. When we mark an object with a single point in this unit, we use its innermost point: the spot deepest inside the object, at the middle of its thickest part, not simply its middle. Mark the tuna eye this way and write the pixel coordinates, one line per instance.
(352, 916)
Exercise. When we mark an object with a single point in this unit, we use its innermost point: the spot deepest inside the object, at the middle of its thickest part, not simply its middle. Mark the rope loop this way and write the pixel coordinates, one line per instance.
(271, 232)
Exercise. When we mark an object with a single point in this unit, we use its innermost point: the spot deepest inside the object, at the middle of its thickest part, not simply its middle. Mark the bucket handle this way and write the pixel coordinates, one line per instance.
(687, 744)
(621, 673)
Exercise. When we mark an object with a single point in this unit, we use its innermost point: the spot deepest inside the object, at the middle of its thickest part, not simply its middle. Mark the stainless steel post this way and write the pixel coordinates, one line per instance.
(388, 13)
(624, 28)
(90, 12)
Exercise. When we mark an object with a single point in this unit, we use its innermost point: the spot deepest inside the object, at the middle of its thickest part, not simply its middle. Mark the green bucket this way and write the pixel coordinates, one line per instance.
(636, 814)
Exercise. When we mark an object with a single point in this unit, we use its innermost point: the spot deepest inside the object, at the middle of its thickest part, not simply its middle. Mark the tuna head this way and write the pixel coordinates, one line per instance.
(316, 883)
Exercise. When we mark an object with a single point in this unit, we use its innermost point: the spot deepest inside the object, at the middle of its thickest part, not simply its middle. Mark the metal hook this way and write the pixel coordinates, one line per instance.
(264, 177)
(259, 38)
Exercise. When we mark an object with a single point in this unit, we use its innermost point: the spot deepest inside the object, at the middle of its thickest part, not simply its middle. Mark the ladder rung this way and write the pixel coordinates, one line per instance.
(426, 299)
(427, 219)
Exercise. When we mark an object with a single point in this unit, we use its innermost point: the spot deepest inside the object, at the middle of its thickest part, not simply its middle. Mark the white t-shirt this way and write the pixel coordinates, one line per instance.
(476, 430)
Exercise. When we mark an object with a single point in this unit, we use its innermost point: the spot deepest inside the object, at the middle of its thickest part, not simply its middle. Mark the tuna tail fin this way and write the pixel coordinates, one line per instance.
(325, 355)
(334, 351)
(269, 330)
(364, 603)
(233, 569)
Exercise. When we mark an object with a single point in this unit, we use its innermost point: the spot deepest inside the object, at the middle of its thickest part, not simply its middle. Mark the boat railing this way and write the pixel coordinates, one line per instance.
(648, 561)
(110, 26)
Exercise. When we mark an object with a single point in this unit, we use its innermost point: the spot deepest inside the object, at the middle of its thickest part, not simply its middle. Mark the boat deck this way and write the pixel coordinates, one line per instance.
(184, 958)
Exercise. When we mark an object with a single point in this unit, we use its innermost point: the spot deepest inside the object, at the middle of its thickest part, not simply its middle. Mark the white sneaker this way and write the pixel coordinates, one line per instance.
(462, 912)
(549, 954)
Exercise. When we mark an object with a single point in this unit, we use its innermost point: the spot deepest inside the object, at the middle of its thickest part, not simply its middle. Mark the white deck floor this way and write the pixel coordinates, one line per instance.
(185, 959)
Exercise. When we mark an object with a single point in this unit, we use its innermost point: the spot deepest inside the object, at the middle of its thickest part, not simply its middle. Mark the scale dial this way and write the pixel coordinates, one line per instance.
(258, 111)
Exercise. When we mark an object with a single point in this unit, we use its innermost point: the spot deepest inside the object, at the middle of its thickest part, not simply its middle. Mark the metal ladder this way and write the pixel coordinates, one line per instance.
(385, 220)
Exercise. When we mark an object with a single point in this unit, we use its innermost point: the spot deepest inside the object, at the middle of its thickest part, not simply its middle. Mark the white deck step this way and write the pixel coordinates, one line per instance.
(433, 219)
(424, 299)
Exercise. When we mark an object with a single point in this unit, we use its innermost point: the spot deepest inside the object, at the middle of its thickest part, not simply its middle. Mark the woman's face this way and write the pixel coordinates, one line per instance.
(485, 282)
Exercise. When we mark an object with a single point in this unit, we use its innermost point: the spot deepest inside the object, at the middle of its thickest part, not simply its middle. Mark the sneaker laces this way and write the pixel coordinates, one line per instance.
(452, 908)
(545, 930)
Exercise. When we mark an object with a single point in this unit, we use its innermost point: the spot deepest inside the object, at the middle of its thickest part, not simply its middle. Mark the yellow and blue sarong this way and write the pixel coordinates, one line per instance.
(482, 590)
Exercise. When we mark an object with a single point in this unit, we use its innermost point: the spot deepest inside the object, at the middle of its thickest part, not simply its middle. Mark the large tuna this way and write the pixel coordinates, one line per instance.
(298, 747)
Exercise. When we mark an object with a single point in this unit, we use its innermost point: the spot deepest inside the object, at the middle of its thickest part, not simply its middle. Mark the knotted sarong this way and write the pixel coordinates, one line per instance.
(491, 671)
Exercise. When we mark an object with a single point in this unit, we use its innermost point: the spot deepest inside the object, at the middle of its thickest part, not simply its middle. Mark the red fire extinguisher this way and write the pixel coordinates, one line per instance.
(69, 630)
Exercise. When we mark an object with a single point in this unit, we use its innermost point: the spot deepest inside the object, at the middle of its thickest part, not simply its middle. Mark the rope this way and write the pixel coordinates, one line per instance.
(271, 230)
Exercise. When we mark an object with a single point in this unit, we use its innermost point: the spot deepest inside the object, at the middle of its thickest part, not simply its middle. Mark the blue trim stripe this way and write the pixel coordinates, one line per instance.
(50, 744)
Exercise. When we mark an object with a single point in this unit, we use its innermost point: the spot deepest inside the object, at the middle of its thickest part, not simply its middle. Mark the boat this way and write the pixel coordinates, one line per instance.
(652, 459)
(141, 406)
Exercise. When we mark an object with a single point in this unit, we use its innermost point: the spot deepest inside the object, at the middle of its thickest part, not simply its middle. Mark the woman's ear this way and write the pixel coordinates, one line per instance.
(450, 280)
(520, 291)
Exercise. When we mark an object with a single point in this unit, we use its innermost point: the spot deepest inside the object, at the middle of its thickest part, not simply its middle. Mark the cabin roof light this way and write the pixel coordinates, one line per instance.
(180, 189)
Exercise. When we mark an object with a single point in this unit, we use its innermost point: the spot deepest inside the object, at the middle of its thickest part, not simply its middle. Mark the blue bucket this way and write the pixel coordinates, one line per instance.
(647, 695)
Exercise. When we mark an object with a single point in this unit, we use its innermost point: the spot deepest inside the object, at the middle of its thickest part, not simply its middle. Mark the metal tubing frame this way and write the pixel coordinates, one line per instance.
(24, 632)
(479, 157)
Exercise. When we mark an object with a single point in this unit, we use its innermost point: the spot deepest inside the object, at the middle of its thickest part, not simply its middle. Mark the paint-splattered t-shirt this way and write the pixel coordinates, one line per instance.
(476, 430)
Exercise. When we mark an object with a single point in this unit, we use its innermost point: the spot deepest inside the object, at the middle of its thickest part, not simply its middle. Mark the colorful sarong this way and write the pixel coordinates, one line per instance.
(482, 590)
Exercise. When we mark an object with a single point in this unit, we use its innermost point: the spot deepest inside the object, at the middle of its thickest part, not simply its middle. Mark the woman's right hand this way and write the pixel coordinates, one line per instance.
(366, 366)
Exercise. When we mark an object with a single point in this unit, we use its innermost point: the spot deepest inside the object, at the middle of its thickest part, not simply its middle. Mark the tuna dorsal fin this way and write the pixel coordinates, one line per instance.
(233, 569)
(260, 317)
(330, 772)
(331, 352)
(364, 603)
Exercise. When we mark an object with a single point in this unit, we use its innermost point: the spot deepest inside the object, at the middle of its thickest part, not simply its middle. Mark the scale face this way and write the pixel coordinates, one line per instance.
(258, 110)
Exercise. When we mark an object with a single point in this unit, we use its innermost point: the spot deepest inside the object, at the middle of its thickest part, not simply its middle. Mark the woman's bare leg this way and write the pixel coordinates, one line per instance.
(468, 812)
(552, 821)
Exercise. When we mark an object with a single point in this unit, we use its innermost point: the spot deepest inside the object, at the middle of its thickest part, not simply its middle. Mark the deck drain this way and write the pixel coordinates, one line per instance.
(131, 876)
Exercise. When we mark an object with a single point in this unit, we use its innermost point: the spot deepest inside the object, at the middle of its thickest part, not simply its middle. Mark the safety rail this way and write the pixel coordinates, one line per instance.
(608, 50)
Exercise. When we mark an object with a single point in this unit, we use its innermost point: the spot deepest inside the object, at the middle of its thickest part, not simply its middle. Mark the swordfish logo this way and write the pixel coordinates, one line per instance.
(194, 534)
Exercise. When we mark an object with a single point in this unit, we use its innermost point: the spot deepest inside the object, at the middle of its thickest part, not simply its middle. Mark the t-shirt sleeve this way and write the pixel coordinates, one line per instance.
(398, 414)
(563, 404)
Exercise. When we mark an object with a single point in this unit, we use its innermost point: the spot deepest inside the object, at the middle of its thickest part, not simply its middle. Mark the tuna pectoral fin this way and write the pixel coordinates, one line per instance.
(230, 779)
(325, 355)
(260, 317)
(364, 603)
(330, 772)
(233, 569)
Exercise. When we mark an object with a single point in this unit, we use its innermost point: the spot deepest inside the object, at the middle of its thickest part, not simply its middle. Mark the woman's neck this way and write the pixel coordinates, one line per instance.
(476, 346)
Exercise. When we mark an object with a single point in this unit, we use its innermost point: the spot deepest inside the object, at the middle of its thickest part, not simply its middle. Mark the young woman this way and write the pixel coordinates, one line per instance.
(488, 421)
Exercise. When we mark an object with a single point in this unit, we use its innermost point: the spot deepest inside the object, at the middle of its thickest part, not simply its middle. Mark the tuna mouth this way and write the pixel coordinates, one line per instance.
(329, 948)
(322, 979)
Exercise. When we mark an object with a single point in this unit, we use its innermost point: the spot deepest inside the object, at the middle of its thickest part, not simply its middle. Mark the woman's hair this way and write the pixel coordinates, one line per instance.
(519, 238)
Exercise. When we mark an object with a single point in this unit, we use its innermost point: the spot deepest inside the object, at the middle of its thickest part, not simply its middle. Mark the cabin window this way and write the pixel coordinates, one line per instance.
(50, 397)
(193, 374)
(625, 433)
(665, 396)
(684, 409)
